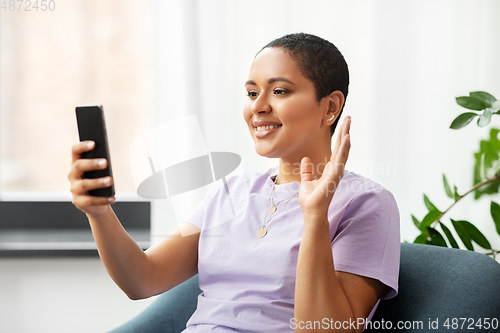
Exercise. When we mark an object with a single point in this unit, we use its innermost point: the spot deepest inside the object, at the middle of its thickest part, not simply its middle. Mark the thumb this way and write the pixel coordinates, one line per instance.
(306, 169)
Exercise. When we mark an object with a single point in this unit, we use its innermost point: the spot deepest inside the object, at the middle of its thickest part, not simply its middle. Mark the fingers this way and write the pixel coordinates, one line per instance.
(345, 144)
(306, 169)
(345, 148)
(81, 186)
(343, 155)
(342, 148)
(81, 165)
(80, 148)
(87, 200)
(341, 136)
(346, 126)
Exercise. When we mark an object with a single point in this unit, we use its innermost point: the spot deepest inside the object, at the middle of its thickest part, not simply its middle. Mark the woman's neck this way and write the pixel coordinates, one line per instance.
(289, 169)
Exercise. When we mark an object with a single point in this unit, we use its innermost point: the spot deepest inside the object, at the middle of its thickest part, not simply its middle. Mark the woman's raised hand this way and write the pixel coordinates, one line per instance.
(94, 206)
(315, 195)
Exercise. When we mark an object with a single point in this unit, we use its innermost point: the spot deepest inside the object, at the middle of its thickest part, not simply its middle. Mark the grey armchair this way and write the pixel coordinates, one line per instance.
(436, 285)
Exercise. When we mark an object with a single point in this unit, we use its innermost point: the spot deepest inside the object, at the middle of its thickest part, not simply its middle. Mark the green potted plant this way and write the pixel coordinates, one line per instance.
(486, 182)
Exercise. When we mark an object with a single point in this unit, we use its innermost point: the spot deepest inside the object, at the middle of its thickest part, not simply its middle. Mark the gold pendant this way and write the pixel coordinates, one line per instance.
(261, 232)
(272, 209)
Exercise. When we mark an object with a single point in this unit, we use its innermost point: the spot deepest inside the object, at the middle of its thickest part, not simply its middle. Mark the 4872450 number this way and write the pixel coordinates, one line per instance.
(471, 324)
(27, 5)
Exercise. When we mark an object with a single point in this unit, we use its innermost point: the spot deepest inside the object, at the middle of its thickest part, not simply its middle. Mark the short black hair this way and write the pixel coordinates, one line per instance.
(318, 60)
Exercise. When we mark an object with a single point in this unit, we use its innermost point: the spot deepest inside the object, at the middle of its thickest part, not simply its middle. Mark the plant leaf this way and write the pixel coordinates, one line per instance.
(475, 234)
(485, 118)
(484, 97)
(482, 173)
(462, 233)
(421, 239)
(487, 189)
(495, 106)
(436, 238)
(486, 165)
(430, 206)
(463, 120)
(495, 214)
(432, 216)
(455, 193)
(471, 103)
(450, 237)
(415, 221)
(447, 187)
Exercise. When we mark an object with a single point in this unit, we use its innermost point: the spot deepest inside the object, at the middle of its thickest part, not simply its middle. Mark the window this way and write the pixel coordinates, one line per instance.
(50, 61)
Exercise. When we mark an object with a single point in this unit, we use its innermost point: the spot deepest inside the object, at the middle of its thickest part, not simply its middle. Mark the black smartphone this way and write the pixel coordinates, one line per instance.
(91, 126)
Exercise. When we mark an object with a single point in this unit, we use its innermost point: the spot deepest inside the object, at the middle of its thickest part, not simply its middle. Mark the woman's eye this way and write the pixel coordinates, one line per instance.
(280, 91)
(251, 94)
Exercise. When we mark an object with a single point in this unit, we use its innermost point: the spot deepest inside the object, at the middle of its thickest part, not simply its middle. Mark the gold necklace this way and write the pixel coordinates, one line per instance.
(274, 206)
(263, 231)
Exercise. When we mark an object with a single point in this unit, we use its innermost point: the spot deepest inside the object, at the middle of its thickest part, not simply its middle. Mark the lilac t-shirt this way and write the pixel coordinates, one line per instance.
(248, 283)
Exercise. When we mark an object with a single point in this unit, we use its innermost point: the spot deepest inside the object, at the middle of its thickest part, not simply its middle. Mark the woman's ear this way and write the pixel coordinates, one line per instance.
(335, 103)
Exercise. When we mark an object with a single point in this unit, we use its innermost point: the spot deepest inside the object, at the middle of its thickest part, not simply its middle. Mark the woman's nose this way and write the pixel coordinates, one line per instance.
(261, 104)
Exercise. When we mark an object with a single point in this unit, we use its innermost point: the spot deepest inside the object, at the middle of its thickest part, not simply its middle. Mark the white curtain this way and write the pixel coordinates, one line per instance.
(408, 61)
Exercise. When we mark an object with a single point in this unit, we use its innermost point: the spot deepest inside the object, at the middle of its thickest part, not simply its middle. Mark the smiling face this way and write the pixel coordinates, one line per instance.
(280, 95)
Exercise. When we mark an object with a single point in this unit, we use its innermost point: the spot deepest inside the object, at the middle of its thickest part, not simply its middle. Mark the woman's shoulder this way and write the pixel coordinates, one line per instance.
(357, 187)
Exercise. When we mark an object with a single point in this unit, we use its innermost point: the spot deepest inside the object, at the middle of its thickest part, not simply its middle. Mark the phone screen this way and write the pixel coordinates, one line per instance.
(91, 126)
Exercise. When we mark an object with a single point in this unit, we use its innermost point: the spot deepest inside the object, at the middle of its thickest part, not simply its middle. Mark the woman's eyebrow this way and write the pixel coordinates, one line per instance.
(276, 79)
(250, 82)
(271, 80)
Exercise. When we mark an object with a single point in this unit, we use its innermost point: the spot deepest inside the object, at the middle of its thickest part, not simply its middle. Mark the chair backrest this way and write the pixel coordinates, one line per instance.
(442, 290)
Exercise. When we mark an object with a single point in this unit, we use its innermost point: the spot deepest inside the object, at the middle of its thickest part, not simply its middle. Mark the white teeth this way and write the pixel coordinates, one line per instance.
(265, 128)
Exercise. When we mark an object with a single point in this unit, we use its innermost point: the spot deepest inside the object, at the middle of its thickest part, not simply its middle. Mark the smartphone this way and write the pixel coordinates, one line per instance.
(91, 126)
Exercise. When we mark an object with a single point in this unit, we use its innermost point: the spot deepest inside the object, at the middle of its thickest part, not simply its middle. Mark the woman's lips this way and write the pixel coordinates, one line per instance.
(265, 133)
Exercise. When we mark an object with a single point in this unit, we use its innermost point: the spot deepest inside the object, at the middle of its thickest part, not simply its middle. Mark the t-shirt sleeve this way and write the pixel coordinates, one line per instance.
(199, 214)
(217, 207)
(367, 239)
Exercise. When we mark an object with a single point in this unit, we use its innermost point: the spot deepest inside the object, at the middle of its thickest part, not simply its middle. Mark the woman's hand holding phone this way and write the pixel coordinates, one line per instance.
(90, 205)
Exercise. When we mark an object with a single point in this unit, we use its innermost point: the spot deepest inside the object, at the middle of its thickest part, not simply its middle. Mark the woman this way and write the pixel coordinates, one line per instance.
(292, 255)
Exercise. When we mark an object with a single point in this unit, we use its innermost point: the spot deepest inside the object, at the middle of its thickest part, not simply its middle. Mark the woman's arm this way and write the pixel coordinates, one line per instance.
(142, 274)
(139, 274)
(323, 295)
(334, 299)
